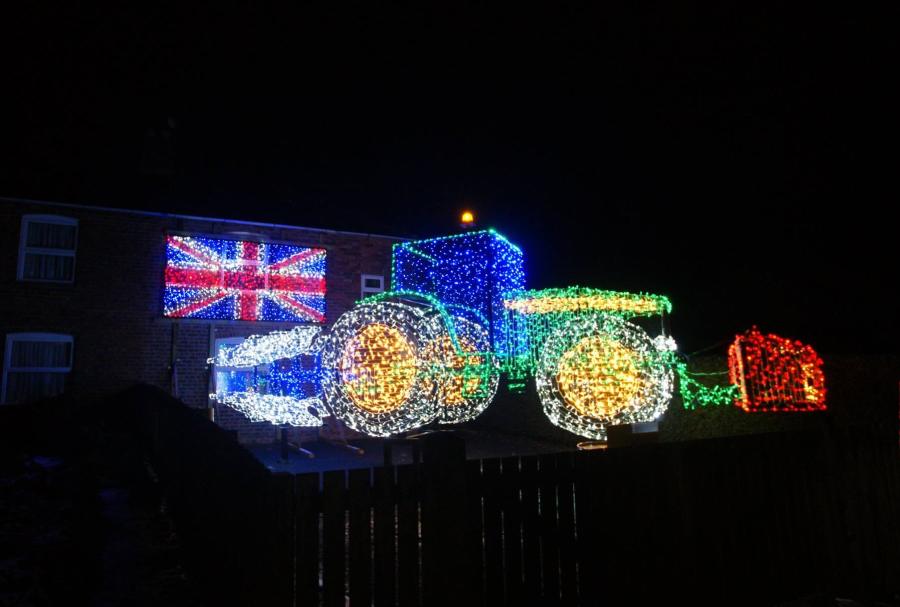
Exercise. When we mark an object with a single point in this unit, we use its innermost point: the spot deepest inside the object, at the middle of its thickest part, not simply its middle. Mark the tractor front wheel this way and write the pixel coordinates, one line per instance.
(601, 370)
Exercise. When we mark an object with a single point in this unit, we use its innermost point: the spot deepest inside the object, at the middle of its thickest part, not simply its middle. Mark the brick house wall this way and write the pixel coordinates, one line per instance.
(113, 309)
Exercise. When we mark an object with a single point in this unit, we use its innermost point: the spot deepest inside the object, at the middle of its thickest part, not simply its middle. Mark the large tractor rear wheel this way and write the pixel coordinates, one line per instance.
(600, 370)
(376, 375)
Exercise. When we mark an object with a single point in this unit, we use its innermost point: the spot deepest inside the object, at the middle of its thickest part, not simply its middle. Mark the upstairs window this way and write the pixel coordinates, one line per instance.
(47, 248)
(35, 366)
(370, 284)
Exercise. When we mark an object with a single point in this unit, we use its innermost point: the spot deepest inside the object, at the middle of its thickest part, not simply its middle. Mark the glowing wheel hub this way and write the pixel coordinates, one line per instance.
(378, 368)
(599, 370)
(598, 376)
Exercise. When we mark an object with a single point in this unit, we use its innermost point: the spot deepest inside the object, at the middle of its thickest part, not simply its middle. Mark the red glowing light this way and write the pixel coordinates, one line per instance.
(775, 374)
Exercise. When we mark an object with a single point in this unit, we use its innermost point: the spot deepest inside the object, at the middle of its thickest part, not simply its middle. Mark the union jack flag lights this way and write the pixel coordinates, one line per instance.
(240, 280)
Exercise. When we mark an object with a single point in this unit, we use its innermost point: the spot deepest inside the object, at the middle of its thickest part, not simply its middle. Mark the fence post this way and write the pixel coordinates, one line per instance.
(445, 570)
(279, 524)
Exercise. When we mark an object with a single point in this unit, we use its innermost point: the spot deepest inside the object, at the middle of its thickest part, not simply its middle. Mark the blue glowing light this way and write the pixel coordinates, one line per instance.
(473, 270)
(241, 280)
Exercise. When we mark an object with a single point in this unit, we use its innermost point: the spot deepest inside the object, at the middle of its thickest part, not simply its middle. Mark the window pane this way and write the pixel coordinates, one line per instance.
(231, 380)
(235, 380)
(50, 235)
(25, 387)
(373, 283)
(48, 267)
(40, 354)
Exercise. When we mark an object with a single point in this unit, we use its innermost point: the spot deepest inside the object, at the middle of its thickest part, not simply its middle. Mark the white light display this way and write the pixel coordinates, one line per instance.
(466, 373)
(376, 373)
(665, 343)
(249, 375)
(263, 349)
(600, 370)
(279, 410)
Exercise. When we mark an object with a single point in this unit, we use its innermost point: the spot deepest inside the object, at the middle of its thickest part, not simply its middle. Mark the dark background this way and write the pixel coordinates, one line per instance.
(730, 157)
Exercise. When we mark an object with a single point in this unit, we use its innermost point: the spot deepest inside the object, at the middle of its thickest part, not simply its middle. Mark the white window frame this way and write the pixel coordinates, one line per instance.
(7, 356)
(364, 290)
(24, 248)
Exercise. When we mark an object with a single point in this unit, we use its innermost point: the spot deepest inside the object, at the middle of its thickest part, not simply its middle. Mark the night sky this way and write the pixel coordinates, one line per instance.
(730, 158)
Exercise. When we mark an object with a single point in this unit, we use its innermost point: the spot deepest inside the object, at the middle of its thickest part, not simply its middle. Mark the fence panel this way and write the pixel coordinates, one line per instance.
(409, 574)
(475, 535)
(547, 481)
(307, 546)
(360, 564)
(278, 556)
(385, 538)
(510, 505)
(763, 518)
(531, 526)
(565, 500)
(334, 534)
(493, 533)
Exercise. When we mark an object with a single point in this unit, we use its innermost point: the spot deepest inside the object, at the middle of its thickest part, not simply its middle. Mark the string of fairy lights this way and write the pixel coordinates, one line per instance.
(213, 278)
(272, 378)
(261, 349)
(375, 370)
(579, 299)
(434, 350)
(472, 269)
(773, 373)
(466, 376)
(278, 410)
(533, 316)
(599, 370)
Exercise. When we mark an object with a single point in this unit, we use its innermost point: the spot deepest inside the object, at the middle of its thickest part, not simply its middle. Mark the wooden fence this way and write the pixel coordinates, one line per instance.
(744, 520)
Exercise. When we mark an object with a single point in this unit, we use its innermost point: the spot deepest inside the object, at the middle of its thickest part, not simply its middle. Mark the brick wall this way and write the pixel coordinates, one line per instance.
(114, 308)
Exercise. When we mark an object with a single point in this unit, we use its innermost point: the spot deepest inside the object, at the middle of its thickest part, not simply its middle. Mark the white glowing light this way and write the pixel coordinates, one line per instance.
(257, 358)
(600, 370)
(665, 343)
(376, 375)
(263, 349)
(279, 410)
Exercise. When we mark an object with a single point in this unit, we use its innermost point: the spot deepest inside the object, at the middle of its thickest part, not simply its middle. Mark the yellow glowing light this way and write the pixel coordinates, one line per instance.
(456, 382)
(601, 303)
(810, 385)
(467, 217)
(378, 367)
(599, 376)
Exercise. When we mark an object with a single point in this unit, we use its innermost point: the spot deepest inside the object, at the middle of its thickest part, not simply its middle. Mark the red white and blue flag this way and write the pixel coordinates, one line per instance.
(240, 280)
